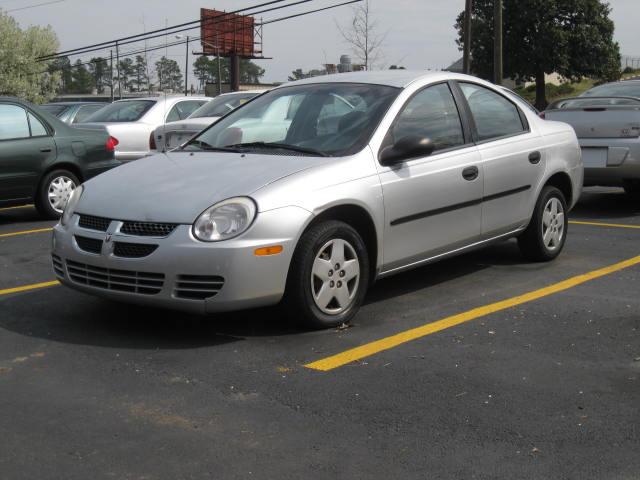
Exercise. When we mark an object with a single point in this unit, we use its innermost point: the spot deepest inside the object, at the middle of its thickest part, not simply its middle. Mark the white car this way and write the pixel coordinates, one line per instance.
(174, 134)
(133, 121)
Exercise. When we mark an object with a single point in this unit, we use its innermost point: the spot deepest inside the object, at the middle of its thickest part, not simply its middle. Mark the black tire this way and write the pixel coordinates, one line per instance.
(632, 188)
(299, 301)
(43, 205)
(531, 242)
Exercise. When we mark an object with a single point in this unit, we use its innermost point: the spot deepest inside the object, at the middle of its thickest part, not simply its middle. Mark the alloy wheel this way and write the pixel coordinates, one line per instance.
(553, 224)
(59, 191)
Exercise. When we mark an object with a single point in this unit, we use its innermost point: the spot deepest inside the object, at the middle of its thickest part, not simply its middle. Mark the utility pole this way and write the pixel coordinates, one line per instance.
(466, 57)
(118, 69)
(497, 42)
(186, 69)
(111, 74)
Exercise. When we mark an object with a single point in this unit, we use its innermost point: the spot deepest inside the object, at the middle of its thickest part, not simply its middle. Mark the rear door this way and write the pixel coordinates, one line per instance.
(26, 145)
(513, 159)
(432, 204)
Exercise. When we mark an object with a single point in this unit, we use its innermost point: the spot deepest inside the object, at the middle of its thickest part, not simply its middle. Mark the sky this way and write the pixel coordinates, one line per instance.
(419, 34)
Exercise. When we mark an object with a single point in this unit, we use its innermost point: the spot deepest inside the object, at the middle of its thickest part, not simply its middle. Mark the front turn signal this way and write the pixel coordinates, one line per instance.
(267, 251)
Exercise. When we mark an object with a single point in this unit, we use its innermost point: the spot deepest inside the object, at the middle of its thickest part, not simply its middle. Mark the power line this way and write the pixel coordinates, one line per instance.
(34, 6)
(163, 31)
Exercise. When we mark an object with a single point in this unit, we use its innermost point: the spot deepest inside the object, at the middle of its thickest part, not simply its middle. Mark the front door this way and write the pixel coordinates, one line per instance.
(432, 204)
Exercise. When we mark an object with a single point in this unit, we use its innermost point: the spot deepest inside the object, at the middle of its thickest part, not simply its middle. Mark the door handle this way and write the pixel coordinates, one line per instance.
(535, 157)
(45, 149)
(470, 173)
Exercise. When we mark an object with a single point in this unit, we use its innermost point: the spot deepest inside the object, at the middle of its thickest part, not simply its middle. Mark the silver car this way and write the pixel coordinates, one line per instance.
(174, 134)
(607, 122)
(310, 206)
(133, 121)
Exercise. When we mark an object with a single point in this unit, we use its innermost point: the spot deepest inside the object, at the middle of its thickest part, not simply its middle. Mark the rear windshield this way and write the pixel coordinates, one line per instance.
(584, 102)
(222, 105)
(618, 89)
(56, 110)
(126, 111)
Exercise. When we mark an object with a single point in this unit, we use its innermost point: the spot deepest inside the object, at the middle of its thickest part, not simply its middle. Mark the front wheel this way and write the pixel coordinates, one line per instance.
(329, 276)
(546, 234)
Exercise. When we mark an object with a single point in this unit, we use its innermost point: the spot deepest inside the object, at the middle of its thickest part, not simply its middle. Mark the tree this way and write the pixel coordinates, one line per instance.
(140, 76)
(61, 67)
(82, 80)
(573, 38)
(100, 70)
(169, 74)
(363, 36)
(127, 72)
(206, 71)
(21, 74)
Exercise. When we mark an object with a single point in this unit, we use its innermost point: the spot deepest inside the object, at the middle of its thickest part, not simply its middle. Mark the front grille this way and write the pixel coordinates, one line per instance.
(133, 250)
(147, 229)
(87, 244)
(58, 268)
(198, 287)
(119, 280)
(94, 223)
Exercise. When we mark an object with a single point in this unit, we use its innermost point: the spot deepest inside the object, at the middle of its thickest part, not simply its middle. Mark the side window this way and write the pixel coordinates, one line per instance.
(182, 110)
(173, 115)
(85, 111)
(13, 122)
(431, 113)
(37, 129)
(494, 115)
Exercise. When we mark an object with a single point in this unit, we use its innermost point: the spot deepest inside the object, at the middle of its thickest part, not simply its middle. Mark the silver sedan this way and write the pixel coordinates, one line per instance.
(295, 199)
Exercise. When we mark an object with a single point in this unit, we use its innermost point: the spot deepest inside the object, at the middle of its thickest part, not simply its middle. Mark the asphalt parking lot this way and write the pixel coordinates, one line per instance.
(447, 372)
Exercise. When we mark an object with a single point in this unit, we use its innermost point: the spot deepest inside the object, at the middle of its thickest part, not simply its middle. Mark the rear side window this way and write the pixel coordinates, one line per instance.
(37, 129)
(13, 122)
(494, 115)
(431, 113)
(85, 112)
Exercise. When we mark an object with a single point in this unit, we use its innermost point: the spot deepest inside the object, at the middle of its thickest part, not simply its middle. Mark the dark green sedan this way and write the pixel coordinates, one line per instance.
(42, 160)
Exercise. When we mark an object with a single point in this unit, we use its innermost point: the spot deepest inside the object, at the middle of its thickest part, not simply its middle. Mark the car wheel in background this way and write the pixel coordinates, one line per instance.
(546, 234)
(328, 277)
(54, 191)
(632, 188)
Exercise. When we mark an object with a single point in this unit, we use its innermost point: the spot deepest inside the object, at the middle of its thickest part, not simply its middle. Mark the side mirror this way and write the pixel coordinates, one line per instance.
(411, 146)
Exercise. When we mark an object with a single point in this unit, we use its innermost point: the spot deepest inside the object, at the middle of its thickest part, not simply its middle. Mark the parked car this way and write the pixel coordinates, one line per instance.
(608, 127)
(174, 134)
(73, 112)
(300, 208)
(42, 160)
(133, 121)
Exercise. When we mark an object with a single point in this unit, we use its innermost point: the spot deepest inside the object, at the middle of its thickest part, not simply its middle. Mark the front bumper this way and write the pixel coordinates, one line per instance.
(240, 278)
(622, 156)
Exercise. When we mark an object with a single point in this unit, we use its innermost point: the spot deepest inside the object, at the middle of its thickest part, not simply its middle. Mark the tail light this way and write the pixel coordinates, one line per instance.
(111, 144)
(152, 142)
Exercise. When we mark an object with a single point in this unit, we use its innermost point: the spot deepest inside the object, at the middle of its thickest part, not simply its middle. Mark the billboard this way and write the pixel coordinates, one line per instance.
(231, 34)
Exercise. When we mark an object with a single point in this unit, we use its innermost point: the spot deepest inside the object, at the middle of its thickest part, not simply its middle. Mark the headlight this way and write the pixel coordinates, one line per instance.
(225, 220)
(71, 205)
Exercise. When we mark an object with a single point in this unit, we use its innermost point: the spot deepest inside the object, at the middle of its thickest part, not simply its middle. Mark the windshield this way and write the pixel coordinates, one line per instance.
(127, 111)
(619, 89)
(331, 119)
(222, 105)
(55, 110)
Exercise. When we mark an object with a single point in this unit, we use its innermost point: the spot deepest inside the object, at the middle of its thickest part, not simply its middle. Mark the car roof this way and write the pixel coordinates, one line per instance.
(391, 78)
(77, 103)
(167, 98)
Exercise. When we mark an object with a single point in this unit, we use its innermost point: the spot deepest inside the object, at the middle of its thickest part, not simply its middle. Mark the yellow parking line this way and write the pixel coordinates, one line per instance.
(601, 224)
(25, 232)
(13, 208)
(26, 288)
(358, 353)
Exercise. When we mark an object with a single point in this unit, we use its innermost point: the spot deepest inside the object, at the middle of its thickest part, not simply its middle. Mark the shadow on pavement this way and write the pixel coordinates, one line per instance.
(606, 204)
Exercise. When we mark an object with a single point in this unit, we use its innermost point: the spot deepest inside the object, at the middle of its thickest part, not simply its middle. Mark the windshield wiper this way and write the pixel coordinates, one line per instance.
(209, 148)
(280, 146)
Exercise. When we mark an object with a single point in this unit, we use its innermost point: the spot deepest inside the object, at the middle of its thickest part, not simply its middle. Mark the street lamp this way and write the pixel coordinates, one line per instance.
(217, 49)
(186, 65)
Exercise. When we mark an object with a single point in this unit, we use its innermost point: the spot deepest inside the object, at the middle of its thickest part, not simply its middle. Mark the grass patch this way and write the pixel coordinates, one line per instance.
(555, 92)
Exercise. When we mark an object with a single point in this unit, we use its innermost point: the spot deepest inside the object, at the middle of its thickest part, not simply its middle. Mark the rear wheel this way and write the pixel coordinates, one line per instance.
(329, 276)
(54, 191)
(545, 236)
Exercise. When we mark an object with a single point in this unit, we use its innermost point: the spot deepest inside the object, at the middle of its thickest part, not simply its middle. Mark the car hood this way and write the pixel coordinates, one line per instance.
(176, 187)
